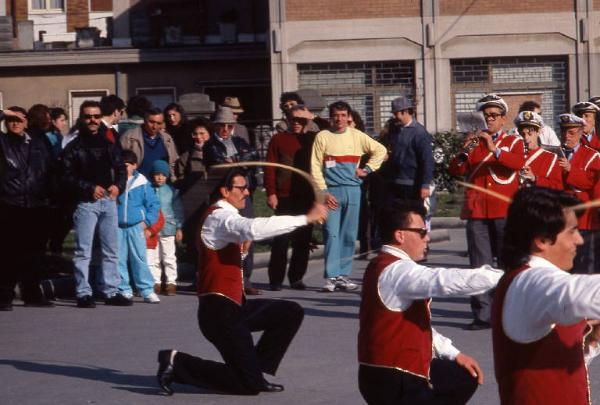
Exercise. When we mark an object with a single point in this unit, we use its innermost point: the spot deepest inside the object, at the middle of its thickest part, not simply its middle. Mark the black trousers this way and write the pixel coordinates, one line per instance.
(452, 385)
(300, 241)
(228, 326)
(22, 251)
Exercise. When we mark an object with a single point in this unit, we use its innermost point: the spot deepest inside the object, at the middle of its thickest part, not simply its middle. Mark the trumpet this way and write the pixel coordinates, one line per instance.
(468, 148)
(525, 181)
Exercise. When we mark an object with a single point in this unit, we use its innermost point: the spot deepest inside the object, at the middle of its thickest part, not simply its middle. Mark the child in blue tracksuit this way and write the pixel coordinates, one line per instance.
(137, 208)
(164, 254)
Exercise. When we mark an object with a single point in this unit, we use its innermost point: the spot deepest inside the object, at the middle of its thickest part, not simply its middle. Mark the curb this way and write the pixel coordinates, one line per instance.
(64, 287)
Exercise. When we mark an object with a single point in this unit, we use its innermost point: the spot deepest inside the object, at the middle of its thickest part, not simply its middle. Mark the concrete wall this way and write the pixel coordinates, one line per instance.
(51, 84)
(433, 32)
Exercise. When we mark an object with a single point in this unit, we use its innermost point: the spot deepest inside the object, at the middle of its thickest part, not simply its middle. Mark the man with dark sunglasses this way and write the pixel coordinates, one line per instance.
(95, 175)
(402, 358)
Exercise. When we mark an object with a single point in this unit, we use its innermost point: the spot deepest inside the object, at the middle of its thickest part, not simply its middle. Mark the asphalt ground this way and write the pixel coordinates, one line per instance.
(107, 355)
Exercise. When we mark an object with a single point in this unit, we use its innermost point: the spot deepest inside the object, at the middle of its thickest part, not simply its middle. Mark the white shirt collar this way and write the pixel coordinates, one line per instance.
(537, 261)
(226, 206)
(394, 251)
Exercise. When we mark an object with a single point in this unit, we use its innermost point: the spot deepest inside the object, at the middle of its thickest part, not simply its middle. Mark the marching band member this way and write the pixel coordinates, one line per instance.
(493, 164)
(541, 166)
(581, 167)
(588, 112)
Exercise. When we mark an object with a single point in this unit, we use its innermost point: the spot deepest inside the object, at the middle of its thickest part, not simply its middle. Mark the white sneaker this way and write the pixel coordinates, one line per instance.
(344, 283)
(152, 298)
(330, 285)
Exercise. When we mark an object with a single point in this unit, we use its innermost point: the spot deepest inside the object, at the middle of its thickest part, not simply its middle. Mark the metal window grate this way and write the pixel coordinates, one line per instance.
(547, 76)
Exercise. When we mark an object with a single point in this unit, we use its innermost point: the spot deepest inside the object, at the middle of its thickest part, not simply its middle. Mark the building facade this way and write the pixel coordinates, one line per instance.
(443, 54)
(61, 52)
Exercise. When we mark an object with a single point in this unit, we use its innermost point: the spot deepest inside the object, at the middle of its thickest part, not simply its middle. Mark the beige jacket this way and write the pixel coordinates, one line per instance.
(133, 140)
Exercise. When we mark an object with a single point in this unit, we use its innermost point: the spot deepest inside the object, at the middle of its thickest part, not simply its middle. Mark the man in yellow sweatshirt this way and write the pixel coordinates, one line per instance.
(334, 165)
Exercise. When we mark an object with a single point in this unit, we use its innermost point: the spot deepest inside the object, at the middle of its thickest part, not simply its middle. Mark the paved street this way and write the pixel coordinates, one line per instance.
(67, 355)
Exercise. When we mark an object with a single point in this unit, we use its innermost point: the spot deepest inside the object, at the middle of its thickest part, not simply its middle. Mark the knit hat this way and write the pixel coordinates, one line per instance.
(160, 166)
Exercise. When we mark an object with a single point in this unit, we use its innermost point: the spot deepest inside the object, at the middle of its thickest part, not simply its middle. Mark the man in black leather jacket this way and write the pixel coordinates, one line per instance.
(95, 174)
(27, 174)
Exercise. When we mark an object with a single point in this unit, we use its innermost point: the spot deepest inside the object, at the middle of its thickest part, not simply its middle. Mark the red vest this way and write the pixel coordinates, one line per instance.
(548, 371)
(219, 271)
(393, 339)
(484, 170)
(582, 181)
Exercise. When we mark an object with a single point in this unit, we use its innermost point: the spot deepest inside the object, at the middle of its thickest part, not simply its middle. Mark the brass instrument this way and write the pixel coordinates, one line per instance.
(473, 143)
(525, 181)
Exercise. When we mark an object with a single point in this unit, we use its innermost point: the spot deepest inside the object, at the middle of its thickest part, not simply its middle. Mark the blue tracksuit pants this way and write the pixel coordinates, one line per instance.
(132, 249)
(340, 231)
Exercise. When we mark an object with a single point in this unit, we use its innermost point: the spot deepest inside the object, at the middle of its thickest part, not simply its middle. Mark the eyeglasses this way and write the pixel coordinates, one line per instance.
(90, 116)
(241, 188)
(421, 231)
(227, 125)
(493, 116)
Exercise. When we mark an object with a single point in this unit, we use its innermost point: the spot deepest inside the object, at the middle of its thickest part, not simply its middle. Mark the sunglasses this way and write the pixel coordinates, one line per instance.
(299, 120)
(421, 231)
(90, 116)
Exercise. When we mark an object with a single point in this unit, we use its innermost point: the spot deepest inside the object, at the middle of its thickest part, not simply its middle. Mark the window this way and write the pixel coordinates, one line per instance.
(47, 5)
(369, 87)
(160, 97)
(77, 97)
(540, 78)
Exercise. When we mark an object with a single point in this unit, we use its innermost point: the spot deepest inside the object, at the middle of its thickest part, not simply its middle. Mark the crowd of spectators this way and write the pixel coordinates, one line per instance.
(133, 180)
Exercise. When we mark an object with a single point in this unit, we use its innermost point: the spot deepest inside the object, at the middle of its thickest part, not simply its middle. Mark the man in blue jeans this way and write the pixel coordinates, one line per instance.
(96, 175)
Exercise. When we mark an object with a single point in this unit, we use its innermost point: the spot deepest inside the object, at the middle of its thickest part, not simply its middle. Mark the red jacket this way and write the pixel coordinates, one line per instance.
(544, 166)
(549, 371)
(152, 241)
(483, 169)
(594, 143)
(582, 181)
(393, 339)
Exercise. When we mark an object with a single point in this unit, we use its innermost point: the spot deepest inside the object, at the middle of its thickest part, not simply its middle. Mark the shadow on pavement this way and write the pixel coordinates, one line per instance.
(86, 372)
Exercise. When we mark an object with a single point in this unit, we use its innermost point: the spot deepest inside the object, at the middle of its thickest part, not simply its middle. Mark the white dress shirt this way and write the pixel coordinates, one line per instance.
(404, 281)
(226, 225)
(545, 295)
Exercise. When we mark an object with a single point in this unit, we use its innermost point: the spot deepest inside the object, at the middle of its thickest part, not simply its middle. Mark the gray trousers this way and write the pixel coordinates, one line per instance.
(484, 241)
